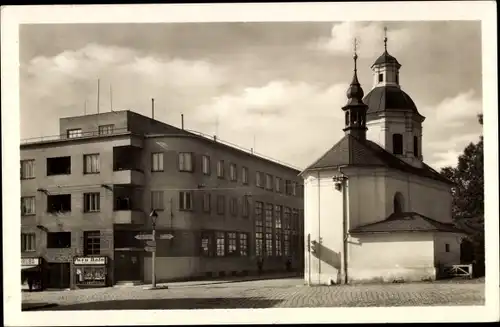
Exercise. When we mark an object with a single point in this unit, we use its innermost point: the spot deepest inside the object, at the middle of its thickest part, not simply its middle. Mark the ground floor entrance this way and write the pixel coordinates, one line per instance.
(58, 275)
(127, 266)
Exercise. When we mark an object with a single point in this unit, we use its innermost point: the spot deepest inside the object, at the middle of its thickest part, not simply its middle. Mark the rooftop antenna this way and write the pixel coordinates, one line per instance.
(111, 97)
(98, 88)
(153, 108)
(385, 38)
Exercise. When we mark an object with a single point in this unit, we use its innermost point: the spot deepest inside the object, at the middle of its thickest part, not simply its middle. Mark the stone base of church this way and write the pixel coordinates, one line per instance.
(391, 275)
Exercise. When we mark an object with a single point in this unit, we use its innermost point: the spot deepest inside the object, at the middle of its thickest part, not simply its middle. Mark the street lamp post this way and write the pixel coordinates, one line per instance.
(153, 216)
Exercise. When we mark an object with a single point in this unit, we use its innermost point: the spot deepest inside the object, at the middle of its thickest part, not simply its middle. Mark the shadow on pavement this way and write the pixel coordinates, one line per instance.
(175, 304)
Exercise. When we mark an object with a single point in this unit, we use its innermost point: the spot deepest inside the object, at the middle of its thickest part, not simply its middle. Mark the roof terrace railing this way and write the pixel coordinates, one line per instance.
(118, 131)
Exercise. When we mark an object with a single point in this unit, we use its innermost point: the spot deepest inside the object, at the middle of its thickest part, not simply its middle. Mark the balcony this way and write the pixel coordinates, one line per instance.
(128, 217)
(128, 176)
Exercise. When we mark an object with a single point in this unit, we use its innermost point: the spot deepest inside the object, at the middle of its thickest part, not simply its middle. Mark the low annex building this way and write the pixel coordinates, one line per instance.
(374, 211)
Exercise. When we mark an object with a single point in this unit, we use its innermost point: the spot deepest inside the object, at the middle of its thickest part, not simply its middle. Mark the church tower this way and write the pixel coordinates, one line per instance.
(393, 120)
(355, 109)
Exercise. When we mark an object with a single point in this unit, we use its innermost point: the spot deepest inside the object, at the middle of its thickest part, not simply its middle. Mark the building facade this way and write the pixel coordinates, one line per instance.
(374, 211)
(87, 194)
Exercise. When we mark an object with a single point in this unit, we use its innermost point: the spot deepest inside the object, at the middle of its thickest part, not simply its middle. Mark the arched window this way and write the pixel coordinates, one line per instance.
(397, 143)
(398, 202)
(415, 146)
(347, 118)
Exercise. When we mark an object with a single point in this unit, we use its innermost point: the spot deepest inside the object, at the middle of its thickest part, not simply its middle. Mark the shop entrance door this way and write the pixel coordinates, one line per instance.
(127, 266)
(59, 275)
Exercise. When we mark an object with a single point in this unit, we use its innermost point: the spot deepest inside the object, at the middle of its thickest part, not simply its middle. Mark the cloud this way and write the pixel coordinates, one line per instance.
(369, 35)
(449, 127)
(60, 86)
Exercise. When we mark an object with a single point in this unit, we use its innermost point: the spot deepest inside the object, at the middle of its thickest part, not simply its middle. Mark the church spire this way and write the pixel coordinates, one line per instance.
(385, 38)
(355, 109)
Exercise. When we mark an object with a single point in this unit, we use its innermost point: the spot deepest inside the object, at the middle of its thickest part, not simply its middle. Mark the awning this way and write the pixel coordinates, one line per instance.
(28, 267)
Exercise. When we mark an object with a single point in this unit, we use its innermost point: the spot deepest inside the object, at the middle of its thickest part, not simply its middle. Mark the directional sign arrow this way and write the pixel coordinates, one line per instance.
(144, 237)
(166, 236)
(151, 243)
(150, 248)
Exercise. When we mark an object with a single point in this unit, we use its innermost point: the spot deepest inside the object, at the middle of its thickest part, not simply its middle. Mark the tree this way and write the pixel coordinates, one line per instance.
(468, 195)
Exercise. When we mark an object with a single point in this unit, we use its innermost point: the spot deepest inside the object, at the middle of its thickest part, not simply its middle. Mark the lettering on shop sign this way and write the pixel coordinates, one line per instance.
(90, 261)
(30, 261)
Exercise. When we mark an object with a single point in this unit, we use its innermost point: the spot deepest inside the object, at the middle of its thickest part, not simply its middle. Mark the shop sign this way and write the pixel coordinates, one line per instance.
(90, 261)
(30, 261)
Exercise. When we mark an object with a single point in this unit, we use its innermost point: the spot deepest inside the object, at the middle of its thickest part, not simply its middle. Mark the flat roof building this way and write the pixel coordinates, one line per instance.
(87, 194)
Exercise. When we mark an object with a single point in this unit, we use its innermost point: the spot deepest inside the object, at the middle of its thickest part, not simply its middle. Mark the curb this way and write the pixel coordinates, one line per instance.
(232, 281)
(39, 306)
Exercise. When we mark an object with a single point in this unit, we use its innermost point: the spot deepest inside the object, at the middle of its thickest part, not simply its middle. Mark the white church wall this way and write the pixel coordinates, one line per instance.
(323, 221)
(446, 255)
(391, 257)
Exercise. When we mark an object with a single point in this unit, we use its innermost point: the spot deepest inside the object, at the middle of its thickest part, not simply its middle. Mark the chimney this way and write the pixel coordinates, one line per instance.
(182, 121)
(153, 108)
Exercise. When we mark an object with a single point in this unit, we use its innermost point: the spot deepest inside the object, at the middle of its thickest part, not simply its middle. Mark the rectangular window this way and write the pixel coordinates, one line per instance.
(157, 200)
(287, 216)
(269, 229)
(220, 169)
(231, 243)
(106, 129)
(207, 243)
(59, 203)
(288, 187)
(269, 182)
(258, 179)
(447, 247)
(278, 215)
(259, 233)
(28, 205)
(73, 133)
(157, 161)
(92, 240)
(269, 244)
(233, 207)
(221, 249)
(243, 244)
(27, 169)
(28, 242)
(232, 172)
(380, 77)
(294, 188)
(286, 230)
(186, 161)
(91, 202)
(221, 204)
(277, 184)
(245, 210)
(205, 163)
(279, 251)
(58, 240)
(244, 175)
(185, 201)
(286, 242)
(206, 202)
(58, 166)
(91, 164)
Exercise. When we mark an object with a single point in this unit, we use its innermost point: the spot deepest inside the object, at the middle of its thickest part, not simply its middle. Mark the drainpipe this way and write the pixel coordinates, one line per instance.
(319, 228)
(344, 225)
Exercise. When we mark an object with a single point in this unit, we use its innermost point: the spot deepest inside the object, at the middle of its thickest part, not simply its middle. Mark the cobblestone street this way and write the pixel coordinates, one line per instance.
(261, 294)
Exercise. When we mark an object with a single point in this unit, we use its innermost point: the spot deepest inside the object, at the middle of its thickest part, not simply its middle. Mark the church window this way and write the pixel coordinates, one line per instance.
(398, 202)
(347, 118)
(397, 78)
(415, 146)
(397, 143)
(380, 77)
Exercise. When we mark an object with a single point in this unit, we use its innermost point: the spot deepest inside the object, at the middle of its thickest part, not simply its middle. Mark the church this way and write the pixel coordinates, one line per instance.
(374, 211)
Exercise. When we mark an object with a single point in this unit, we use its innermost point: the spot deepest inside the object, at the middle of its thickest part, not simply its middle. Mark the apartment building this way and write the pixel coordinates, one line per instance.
(89, 192)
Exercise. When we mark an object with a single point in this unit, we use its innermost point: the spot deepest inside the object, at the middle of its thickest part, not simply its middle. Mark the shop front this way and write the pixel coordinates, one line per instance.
(32, 274)
(90, 271)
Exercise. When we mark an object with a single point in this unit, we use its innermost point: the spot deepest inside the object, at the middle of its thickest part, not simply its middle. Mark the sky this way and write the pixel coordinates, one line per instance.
(278, 87)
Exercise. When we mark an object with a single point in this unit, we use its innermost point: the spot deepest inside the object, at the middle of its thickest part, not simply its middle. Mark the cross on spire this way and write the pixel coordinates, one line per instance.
(355, 56)
(385, 38)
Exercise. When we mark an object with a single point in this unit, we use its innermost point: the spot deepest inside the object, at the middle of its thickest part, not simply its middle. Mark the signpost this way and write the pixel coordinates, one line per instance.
(166, 236)
(151, 243)
(144, 237)
(150, 249)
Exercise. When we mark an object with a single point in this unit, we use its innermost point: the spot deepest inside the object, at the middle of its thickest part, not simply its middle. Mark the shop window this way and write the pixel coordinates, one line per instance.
(58, 166)
(59, 203)
(243, 238)
(92, 243)
(207, 243)
(220, 243)
(28, 242)
(231, 243)
(58, 240)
